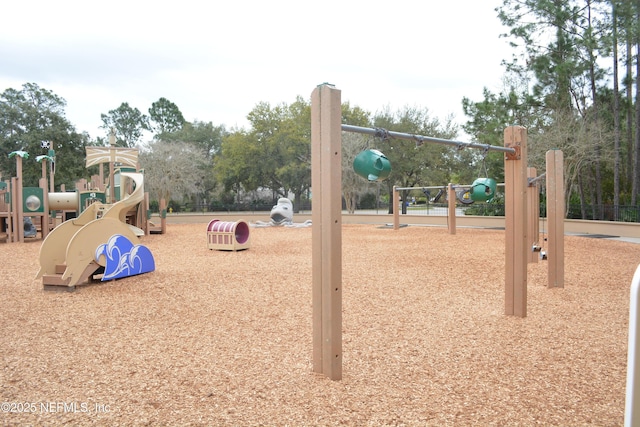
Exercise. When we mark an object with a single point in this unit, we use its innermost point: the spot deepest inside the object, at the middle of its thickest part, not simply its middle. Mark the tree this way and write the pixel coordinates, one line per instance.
(353, 185)
(165, 117)
(173, 170)
(616, 107)
(203, 134)
(28, 117)
(545, 29)
(275, 154)
(234, 167)
(128, 124)
(426, 165)
(560, 43)
(208, 138)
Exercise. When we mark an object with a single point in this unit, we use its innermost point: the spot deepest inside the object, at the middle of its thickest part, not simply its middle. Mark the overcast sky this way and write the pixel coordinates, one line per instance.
(216, 60)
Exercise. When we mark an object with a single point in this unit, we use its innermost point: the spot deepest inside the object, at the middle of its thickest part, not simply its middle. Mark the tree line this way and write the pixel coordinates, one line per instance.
(573, 81)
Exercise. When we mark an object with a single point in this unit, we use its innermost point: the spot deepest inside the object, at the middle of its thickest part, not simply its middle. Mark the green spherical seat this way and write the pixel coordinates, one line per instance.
(483, 189)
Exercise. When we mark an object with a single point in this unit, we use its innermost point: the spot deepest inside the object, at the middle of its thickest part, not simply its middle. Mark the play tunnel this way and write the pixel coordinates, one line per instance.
(227, 235)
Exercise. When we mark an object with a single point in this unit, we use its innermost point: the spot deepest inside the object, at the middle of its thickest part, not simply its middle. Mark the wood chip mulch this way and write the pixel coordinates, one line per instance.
(224, 338)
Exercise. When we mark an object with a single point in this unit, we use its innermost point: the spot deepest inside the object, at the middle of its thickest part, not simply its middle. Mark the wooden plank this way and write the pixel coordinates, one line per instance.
(451, 212)
(396, 213)
(326, 179)
(54, 280)
(516, 222)
(555, 215)
(533, 220)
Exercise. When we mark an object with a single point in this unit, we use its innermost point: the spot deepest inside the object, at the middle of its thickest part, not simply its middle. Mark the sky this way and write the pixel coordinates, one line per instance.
(217, 60)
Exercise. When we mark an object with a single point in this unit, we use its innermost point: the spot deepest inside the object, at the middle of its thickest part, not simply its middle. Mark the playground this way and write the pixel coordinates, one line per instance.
(225, 337)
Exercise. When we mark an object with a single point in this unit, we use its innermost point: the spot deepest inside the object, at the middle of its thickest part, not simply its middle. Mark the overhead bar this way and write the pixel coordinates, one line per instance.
(419, 139)
(438, 187)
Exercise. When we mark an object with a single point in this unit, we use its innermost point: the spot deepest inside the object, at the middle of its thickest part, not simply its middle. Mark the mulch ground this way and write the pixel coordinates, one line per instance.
(225, 338)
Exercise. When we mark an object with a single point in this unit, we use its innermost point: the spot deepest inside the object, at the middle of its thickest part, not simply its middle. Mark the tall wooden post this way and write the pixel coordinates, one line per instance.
(44, 218)
(555, 216)
(451, 212)
(112, 161)
(396, 213)
(18, 201)
(326, 215)
(533, 220)
(515, 185)
(15, 236)
(163, 216)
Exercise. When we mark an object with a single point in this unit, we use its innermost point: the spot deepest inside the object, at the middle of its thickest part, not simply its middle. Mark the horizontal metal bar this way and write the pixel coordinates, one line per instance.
(537, 178)
(432, 187)
(438, 187)
(419, 139)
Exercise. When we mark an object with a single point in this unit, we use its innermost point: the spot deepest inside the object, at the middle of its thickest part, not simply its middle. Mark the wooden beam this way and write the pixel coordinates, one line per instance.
(533, 220)
(394, 203)
(515, 180)
(451, 212)
(326, 215)
(555, 216)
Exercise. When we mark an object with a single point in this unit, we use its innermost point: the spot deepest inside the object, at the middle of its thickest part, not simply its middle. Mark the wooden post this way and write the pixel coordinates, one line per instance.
(533, 220)
(326, 215)
(44, 169)
(555, 216)
(15, 236)
(396, 213)
(9, 224)
(163, 216)
(515, 184)
(52, 174)
(101, 175)
(18, 201)
(112, 161)
(44, 221)
(451, 218)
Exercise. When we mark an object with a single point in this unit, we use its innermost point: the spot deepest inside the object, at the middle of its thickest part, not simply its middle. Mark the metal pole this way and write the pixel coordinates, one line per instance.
(437, 187)
(419, 139)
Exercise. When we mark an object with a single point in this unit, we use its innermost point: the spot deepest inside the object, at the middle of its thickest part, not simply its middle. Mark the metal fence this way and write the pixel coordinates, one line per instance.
(621, 213)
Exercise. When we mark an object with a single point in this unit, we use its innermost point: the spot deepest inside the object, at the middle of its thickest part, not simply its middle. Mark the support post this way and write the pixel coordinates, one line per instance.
(15, 237)
(396, 210)
(396, 213)
(555, 216)
(112, 161)
(451, 218)
(18, 201)
(533, 220)
(163, 216)
(515, 184)
(44, 221)
(326, 215)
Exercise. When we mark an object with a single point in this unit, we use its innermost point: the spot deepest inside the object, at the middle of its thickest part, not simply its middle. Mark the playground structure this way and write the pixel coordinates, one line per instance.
(281, 215)
(15, 216)
(326, 127)
(101, 238)
(228, 235)
(51, 208)
(75, 251)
